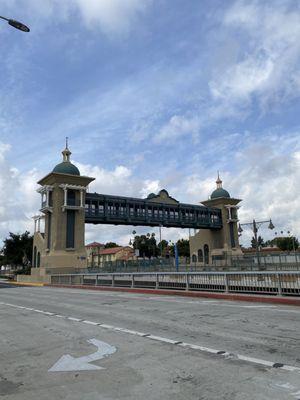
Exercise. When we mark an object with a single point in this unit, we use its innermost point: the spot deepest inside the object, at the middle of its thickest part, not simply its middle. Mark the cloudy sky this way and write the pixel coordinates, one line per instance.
(153, 94)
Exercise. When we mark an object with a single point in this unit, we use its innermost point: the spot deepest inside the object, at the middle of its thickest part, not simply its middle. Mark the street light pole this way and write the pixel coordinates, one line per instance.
(256, 241)
(160, 243)
(16, 24)
(254, 225)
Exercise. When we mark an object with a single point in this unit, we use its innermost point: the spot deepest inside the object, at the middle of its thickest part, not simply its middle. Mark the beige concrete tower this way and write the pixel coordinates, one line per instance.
(61, 247)
(216, 246)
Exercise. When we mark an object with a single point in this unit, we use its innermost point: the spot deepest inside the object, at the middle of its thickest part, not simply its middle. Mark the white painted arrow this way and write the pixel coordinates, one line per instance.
(69, 363)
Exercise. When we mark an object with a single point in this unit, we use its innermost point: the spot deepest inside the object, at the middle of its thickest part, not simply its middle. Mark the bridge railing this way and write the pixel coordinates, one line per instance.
(285, 283)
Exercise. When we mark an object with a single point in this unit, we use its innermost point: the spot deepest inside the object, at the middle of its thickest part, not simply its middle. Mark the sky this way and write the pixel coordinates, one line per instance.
(153, 94)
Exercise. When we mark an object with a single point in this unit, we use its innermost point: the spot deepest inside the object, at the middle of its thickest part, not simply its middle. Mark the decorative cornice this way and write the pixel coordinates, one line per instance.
(73, 187)
(44, 189)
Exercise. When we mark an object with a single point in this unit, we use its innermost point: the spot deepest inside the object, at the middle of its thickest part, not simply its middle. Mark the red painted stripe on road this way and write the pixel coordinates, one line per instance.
(222, 296)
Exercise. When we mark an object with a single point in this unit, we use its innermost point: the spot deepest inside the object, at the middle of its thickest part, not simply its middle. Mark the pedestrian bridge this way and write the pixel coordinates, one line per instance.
(155, 210)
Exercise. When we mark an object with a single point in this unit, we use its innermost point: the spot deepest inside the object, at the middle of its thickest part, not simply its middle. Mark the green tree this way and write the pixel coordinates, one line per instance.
(163, 248)
(146, 244)
(260, 242)
(110, 245)
(17, 249)
(183, 246)
(287, 243)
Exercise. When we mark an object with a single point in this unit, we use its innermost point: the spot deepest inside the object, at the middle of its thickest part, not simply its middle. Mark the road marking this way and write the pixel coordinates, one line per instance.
(68, 363)
(223, 353)
(131, 332)
(90, 322)
(162, 339)
(74, 319)
(197, 347)
(106, 326)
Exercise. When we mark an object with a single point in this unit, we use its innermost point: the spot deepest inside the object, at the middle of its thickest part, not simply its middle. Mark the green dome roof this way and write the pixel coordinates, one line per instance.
(220, 192)
(66, 167)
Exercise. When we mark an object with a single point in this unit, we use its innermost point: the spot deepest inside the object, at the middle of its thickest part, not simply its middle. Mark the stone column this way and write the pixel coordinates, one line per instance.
(65, 196)
(81, 198)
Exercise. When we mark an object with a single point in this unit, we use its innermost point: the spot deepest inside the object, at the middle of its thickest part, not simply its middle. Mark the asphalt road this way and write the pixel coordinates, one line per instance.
(164, 347)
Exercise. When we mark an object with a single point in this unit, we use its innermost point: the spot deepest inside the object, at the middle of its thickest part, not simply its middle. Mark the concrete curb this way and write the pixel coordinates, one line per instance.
(292, 301)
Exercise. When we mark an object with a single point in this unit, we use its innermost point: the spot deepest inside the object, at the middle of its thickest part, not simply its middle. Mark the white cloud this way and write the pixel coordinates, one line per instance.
(116, 181)
(176, 127)
(268, 66)
(18, 200)
(150, 187)
(113, 17)
(243, 79)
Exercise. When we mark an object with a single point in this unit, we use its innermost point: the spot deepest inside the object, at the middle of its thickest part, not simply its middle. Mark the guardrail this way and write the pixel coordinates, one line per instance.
(271, 283)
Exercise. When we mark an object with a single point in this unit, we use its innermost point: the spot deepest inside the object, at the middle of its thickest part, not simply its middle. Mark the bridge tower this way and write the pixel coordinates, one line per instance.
(61, 247)
(217, 246)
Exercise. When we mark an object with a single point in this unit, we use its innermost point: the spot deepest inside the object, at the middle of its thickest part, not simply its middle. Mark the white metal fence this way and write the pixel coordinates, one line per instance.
(270, 283)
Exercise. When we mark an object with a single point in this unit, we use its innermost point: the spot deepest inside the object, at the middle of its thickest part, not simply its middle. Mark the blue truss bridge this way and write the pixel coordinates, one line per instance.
(155, 210)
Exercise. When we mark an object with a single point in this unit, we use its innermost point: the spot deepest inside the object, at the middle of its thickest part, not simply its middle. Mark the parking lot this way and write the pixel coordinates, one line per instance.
(59, 343)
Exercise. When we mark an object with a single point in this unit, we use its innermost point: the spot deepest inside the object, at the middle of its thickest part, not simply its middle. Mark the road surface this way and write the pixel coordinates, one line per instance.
(153, 347)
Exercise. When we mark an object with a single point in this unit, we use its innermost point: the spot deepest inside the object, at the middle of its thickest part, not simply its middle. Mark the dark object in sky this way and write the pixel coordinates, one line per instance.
(18, 25)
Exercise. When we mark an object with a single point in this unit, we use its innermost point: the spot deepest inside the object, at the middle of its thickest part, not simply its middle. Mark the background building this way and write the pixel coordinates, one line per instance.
(208, 246)
(112, 255)
(92, 253)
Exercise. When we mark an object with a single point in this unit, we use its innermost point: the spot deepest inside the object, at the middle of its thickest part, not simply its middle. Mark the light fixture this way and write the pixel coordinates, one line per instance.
(271, 226)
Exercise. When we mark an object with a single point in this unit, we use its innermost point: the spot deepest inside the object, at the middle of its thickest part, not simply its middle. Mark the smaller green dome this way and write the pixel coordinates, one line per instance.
(66, 167)
(151, 195)
(219, 192)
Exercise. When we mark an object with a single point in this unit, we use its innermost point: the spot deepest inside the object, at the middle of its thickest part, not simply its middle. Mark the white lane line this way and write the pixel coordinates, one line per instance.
(197, 347)
(255, 360)
(163, 339)
(105, 326)
(74, 319)
(131, 332)
(90, 322)
(223, 353)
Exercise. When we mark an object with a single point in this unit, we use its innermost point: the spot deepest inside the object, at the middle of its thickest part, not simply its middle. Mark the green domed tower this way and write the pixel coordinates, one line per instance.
(214, 247)
(61, 247)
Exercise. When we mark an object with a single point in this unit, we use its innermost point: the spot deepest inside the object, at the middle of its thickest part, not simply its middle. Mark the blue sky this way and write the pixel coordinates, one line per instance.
(153, 94)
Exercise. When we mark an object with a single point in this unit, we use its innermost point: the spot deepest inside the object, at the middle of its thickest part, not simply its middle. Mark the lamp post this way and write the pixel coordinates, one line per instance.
(255, 225)
(131, 241)
(16, 24)
(160, 243)
(176, 255)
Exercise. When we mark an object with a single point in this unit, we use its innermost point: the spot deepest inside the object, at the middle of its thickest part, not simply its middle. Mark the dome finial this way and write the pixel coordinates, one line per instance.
(66, 152)
(219, 191)
(219, 182)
